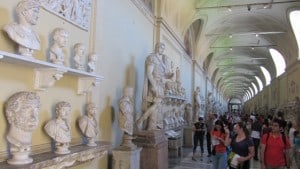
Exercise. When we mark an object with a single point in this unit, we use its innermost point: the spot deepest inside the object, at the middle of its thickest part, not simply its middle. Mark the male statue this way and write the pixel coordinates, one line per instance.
(21, 111)
(22, 33)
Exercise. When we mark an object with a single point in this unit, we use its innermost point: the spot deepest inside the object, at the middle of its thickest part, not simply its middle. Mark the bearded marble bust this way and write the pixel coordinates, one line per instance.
(21, 111)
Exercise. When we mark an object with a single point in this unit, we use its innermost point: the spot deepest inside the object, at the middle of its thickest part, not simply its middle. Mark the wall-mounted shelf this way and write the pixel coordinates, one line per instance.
(46, 73)
(79, 154)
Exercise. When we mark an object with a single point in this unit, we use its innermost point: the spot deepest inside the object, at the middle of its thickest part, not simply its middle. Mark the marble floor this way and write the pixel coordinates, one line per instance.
(186, 162)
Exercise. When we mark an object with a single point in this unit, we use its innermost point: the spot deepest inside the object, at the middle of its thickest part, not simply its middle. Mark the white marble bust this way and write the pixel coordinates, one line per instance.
(79, 50)
(60, 38)
(91, 66)
(59, 129)
(88, 124)
(21, 111)
(21, 32)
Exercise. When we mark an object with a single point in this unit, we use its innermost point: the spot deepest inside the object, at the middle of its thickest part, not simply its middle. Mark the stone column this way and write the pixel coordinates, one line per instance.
(155, 149)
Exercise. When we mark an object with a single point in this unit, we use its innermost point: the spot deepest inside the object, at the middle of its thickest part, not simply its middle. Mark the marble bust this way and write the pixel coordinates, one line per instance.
(125, 117)
(59, 129)
(21, 32)
(89, 125)
(60, 38)
(91, 66)
(79, 50)
(21, 111)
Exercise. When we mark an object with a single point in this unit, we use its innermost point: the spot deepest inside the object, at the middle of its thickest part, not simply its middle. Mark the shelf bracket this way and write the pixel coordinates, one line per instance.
(46, 77)
(85, 84)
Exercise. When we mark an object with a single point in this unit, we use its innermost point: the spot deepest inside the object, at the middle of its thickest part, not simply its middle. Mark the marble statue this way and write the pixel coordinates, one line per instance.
(60, 38)
(22, 33)
(92, 63)
(79, 50)
(125, 117)
(59, 129)
(197, 104)
(188, 114)
(89, 125)
(21, 111)
(154, 87)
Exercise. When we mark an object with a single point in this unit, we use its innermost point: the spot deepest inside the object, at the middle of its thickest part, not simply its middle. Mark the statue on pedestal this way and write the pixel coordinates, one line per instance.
(154, 87)
(188, 114)
(88, 124)
(197, 104)
(59, 129)
(21, 111)
(22, 33)
(125, 118)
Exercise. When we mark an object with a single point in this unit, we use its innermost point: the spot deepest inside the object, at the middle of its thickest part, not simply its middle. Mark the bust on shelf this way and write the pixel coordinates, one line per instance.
(91, 66)
(79, 50)
(59, 129)
(60, 39)
(21, 111)
(89, 125)
(22, 33)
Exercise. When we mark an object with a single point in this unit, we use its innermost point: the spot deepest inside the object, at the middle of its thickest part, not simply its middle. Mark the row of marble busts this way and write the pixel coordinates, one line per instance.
(28, 40)
(173, 119)
(22, 110)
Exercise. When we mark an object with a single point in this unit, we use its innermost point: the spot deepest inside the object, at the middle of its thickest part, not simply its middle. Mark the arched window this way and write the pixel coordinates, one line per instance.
(294, 19)
(266, 74)
(279, 61)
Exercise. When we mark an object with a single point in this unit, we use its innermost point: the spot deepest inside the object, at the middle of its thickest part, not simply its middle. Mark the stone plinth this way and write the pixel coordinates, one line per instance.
(155, 149)
(126, 159)
(188, 136)
(49, 160)
(175, 147)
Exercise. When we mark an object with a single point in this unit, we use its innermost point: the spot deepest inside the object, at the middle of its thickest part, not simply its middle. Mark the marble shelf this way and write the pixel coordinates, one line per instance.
(79, 154)
(46, 73)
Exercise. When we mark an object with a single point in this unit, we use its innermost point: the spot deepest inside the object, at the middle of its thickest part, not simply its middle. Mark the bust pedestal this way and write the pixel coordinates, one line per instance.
(188, 136)
(126, 159)
(155, 149)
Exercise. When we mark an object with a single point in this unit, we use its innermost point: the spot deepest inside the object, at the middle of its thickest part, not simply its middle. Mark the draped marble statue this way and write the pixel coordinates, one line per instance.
(60, 38)
(21, 111)
(156, 73)
(59, 129)
(21, 32)
(88, 124)
(125, 117)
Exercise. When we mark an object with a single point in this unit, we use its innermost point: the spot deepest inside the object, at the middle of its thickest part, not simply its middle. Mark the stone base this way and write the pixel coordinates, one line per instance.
(175, 147)
(188, 136)
(155, 149)
(123, 159)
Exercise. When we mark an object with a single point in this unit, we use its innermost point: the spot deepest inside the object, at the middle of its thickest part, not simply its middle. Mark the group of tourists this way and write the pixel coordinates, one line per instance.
(233, 140)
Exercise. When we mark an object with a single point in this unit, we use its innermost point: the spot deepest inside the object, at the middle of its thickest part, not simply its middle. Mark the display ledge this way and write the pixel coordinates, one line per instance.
(46, 73)
(79, 154)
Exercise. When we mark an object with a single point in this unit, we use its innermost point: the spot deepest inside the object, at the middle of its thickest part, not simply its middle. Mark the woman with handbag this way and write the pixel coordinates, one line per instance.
(220, 139)
(242, 148)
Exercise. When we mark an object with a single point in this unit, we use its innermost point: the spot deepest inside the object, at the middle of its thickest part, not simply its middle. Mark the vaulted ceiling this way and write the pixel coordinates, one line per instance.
(231, 39)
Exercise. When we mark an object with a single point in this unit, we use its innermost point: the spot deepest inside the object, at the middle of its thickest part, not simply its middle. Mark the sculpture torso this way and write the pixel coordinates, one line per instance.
(125, 119)
(88, 126)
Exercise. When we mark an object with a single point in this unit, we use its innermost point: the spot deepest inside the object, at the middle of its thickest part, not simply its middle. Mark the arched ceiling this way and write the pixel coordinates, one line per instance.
(235, 39)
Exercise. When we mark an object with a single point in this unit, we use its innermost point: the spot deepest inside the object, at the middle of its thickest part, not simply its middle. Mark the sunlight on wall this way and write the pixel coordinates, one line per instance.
(251, 92)
(294, 19)
(255, 88)
(266, 74)
(259, 83)
(279, 61)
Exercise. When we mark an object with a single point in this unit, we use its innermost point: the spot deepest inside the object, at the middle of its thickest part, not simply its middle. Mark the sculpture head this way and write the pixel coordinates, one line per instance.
(159, 48)
(22, 110)
(93, 57)
(28, 11)
(79, 49)
(63, 110)
(60, 37)
(128, 91)
(91, 109)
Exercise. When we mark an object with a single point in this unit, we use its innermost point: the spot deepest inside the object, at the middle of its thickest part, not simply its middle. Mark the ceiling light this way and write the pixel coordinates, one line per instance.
(256, 35)
(229, 9)
(231, 49)
(252, 48)
(230, 35)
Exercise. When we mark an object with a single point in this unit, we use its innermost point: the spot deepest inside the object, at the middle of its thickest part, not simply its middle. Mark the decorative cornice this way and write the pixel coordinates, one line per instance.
(144, 9)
